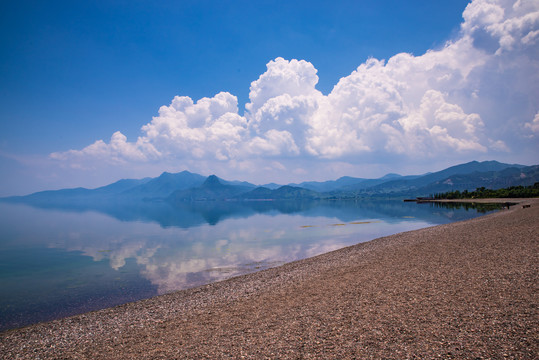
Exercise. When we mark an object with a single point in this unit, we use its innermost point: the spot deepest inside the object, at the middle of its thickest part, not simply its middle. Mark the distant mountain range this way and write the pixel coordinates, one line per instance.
(189, 187)
(469, 176)
(211, 189)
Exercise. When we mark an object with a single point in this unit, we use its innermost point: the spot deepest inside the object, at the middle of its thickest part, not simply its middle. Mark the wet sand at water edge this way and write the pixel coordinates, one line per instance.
(462, 290)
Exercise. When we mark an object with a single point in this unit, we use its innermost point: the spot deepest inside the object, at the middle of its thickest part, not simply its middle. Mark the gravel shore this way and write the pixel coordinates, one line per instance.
(464, 290)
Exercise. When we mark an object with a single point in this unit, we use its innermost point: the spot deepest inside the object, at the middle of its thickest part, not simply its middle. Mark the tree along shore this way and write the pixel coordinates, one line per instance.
(484, 193)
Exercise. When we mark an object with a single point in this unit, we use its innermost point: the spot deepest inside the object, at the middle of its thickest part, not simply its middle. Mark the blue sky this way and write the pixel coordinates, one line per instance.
(75, 73)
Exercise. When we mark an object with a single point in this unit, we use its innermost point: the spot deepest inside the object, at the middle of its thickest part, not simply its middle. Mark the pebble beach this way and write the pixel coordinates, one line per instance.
(465, 290)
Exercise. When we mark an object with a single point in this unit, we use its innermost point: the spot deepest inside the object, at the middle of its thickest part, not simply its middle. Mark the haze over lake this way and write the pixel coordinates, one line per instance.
(59, 262)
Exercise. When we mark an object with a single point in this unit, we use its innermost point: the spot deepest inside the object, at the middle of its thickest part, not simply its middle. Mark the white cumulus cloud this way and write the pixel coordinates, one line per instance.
(533, 125)
(476, 95)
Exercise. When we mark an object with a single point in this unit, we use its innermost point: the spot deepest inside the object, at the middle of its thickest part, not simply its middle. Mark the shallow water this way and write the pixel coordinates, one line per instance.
(63, 260)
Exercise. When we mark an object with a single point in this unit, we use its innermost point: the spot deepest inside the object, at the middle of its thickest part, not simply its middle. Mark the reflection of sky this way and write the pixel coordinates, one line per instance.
(174, 258)
(178, 259)
(63, 263)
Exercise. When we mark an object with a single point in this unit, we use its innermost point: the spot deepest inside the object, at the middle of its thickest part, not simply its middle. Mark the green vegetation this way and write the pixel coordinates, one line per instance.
(482, 193)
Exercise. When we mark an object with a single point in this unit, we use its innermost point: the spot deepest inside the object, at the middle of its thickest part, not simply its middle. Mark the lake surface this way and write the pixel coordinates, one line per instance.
(63, 260)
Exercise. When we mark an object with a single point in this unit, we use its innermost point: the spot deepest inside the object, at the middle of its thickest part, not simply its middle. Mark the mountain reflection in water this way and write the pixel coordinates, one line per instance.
(189, 214)
(64, 259)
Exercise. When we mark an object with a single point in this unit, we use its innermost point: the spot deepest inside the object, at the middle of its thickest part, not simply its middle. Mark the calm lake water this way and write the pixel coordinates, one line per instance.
(61, 261)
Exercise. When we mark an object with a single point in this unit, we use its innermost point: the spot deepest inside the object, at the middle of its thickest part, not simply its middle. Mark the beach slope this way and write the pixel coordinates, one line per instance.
(462, 290)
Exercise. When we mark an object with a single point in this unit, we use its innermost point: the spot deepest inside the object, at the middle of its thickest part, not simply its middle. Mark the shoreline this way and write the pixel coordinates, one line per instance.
(417, 293)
